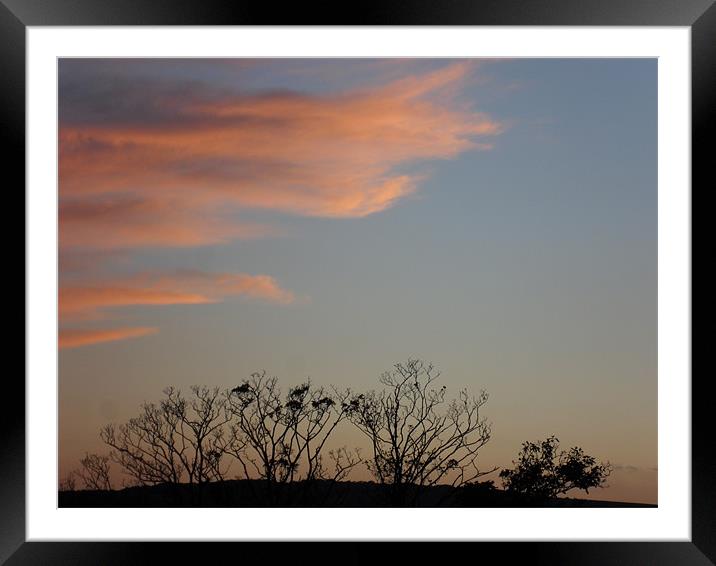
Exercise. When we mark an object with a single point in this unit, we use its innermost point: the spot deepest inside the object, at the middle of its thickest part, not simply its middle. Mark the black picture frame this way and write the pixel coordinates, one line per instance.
(16, 15)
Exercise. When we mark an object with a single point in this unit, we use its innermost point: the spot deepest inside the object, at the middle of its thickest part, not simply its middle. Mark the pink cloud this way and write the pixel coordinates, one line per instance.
(161, 165)
(182, 182)
(90, 301)
(72, 338)
(129, 221)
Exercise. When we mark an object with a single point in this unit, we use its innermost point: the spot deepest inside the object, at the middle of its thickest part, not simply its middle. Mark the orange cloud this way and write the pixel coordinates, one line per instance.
(176, 168)
(84, 302)
(112, 222)
(72, 338)
(152, 162)
(89, 301)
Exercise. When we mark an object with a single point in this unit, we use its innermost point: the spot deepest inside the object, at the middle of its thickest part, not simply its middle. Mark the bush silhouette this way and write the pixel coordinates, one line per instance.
(542, 471)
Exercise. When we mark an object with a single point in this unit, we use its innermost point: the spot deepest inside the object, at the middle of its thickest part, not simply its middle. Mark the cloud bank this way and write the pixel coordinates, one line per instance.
(159, 162)
(182, 155)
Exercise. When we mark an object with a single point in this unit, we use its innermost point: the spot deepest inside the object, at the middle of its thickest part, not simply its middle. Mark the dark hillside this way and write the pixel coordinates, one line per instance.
(253, 493)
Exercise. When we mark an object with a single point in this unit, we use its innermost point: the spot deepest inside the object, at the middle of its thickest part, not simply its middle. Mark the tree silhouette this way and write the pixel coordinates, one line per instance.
(177, 440)
(542, 471)
(418, 440)
(94, 472)
(69, 482)
(282, 439)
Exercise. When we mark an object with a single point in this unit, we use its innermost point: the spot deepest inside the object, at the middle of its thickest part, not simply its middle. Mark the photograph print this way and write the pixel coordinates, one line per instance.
(348, 282)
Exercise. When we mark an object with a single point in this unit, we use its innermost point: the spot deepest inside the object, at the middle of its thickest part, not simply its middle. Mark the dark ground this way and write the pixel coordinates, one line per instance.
(254, 493)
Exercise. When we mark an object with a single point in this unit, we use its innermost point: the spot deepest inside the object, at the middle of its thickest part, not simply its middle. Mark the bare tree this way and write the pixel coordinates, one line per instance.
(201, 432)
(69, 482)
(177, 440)
(94, 472)
(282, 439)
(145, 446)
(344, 460)
(416, 438)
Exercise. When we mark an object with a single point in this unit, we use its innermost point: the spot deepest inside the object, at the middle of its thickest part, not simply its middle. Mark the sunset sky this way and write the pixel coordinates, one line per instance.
(326, 218)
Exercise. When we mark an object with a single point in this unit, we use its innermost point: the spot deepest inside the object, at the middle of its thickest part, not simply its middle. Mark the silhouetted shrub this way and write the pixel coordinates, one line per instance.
(542, 471)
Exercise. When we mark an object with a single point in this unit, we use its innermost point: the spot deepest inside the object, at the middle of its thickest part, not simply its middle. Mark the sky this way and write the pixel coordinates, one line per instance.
(327, 218)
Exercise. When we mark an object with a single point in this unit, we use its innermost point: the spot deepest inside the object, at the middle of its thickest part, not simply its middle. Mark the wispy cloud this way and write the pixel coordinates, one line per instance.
(97, 300)
(189, 154)
(74, 338)
(631, 468)
(131, 221)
